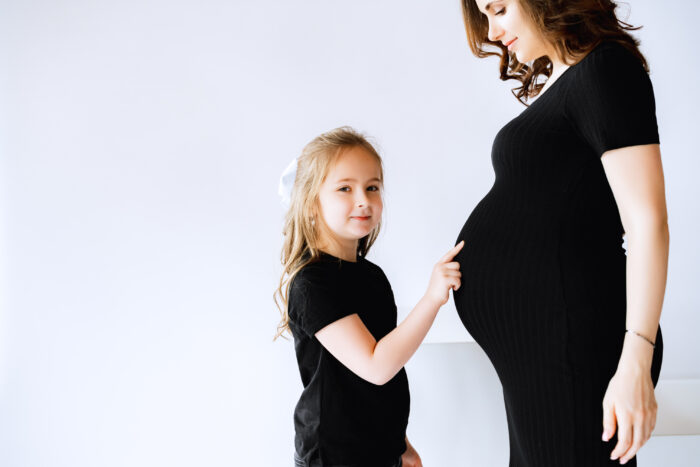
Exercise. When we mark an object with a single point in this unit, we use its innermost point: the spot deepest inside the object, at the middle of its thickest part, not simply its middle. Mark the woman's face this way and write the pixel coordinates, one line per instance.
(513, 27)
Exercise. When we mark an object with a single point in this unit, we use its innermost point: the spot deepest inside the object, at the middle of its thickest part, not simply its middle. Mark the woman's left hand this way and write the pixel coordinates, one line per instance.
(410, 457)
(629, 404)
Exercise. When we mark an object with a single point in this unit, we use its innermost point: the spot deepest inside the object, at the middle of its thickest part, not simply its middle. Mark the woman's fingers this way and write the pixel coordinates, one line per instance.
(608, 422)
(624, 436)
(639, 438)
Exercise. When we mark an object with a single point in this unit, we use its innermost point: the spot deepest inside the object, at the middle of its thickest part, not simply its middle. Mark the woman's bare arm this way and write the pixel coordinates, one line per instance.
(635, 175)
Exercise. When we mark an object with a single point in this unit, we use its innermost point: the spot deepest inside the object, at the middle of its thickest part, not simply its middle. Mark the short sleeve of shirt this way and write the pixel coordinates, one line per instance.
(315, 298)
(612, 102)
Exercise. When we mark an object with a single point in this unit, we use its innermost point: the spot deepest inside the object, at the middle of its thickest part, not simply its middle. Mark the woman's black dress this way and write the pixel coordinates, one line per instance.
(543, 267)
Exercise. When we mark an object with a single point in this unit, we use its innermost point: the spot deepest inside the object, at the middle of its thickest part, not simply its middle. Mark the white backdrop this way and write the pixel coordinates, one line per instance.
(140, 149)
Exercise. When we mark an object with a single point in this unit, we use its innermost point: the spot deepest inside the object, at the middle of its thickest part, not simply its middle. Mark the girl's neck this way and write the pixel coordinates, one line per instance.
(346, 250)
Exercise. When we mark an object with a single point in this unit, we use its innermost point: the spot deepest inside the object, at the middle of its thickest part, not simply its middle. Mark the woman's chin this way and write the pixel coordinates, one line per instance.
(522, 57)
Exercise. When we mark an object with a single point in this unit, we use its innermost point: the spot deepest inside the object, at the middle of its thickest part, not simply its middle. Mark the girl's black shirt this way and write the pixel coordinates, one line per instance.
(342, 419)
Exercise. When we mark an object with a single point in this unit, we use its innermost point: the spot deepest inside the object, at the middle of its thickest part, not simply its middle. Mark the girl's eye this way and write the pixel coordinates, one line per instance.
(344, 188)
(500, 12)
(373, 188)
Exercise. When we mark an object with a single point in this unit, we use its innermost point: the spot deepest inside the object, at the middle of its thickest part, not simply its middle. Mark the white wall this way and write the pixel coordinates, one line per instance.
(140, 148)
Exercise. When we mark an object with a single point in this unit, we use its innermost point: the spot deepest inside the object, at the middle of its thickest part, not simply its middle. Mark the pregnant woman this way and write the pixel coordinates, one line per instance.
(569, 319)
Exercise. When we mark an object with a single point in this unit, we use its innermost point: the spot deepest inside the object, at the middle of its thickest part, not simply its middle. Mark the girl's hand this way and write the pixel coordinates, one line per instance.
(629, 404)
(410, 458)
(445, 276)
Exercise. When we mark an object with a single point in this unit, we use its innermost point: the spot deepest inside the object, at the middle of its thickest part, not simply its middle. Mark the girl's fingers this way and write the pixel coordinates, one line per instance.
(453, 265)
(624, 437)
(452, 253)
(454, 279)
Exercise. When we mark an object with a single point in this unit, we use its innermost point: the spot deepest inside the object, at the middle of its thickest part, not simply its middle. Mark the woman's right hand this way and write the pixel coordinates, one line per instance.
(445, 276)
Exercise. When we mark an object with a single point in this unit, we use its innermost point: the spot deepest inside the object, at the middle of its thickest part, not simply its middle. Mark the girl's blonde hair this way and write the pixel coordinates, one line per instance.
(302, 222)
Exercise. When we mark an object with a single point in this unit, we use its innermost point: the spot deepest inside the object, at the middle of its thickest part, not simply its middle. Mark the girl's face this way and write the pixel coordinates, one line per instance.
(513, 27)
(350, 198)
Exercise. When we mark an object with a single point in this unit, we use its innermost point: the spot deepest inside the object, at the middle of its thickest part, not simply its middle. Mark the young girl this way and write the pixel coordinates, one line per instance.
(340, 309)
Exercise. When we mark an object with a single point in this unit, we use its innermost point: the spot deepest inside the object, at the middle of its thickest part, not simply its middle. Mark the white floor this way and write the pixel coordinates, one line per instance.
(458, 418)
(667, 451)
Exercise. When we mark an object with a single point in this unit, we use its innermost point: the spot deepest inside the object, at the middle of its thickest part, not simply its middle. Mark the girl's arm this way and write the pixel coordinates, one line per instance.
(636, 177)
(349, 340)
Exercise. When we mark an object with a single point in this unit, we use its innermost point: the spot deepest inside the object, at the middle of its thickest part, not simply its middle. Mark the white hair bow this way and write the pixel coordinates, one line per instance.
(287, 182)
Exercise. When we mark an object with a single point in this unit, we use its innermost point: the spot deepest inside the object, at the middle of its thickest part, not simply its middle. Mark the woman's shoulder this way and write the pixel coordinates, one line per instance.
(607, 47)
(609, 59)
(606, 74)
(611, 101)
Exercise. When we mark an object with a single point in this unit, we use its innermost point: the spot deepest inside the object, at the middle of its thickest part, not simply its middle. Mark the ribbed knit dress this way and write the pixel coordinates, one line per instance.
(543, 267)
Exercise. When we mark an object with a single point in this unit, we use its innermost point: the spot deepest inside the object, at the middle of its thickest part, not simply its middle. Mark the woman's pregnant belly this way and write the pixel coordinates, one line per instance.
(510, 273)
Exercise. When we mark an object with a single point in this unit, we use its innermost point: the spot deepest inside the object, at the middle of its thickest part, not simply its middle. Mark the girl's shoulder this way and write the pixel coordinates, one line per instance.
(373, 268)
(329, 271)
(313, 272)
(326, 262)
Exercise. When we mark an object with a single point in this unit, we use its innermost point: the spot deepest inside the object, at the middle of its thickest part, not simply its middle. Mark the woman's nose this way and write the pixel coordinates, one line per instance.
(494, 32)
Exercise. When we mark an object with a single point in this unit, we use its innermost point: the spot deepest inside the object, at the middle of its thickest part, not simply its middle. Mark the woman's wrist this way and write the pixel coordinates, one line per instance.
(637, 353)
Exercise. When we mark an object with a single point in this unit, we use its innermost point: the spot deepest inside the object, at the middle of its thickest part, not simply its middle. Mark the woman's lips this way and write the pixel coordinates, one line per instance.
(366, 218)
(510, 44)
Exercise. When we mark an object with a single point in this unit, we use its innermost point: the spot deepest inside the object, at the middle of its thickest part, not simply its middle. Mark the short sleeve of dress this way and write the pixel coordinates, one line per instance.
(611, 102)
(315, 299)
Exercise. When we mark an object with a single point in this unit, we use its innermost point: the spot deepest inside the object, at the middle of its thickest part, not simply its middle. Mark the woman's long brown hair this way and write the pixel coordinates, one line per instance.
(575, 27)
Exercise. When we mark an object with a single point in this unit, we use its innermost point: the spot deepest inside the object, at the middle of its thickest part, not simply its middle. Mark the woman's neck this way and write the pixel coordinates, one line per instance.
(558, 67)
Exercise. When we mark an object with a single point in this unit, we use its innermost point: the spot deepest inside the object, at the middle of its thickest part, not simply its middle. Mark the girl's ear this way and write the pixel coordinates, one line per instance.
(314, 213)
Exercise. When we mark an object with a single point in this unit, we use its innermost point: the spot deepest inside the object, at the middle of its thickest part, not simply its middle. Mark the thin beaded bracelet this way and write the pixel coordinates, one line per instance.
(637, 334)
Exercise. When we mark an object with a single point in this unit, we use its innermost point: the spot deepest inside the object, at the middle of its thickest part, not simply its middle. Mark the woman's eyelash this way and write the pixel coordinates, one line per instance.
(500, 12)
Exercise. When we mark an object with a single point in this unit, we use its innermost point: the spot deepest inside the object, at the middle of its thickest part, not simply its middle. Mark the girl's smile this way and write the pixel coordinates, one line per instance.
(350, 201)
